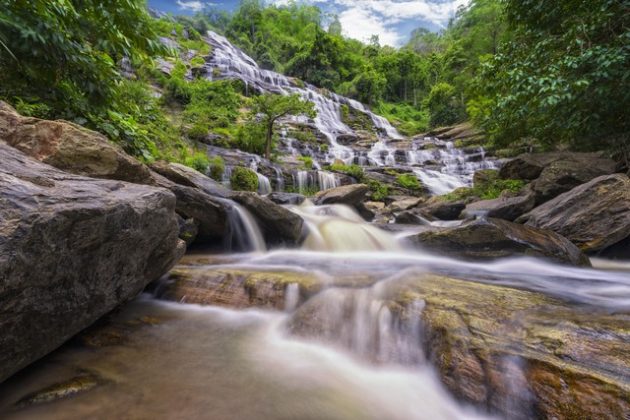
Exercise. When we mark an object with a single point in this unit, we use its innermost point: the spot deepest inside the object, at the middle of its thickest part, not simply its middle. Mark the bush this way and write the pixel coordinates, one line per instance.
(408, 181)
(444, 106)
(489, 190)
(244, 179)
(217, 168)
(198, 161)
(354, 171)
(307, 161)
(250, 138)
(379, 190)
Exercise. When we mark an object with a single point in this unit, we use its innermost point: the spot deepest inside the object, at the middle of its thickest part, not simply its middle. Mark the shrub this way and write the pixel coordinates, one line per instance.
(408, 181)
(444, 106)
(379, 190)
(307, 161)
(251, 138)
(354, 171)
(244, 179)
(198, 161)
(217, 168)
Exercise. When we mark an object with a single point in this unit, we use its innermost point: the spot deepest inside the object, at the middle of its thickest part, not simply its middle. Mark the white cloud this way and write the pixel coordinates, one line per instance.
(363, 18)
(361, 24)
(195, 6)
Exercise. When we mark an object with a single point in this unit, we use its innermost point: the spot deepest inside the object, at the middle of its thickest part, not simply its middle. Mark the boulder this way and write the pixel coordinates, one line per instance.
(210, 214)
(402, 203)
(350, 195)
(557, 172)
(278, 224)
(69, 147)
(594, 216)
(441, 209)
(183, 175)
(235, 288)
(286, 198)
(72, 249)
(506, 208)
(485, 177)
(563, 176)
(485, 239)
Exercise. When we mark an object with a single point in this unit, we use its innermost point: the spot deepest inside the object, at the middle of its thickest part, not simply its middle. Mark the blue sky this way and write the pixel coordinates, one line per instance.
(391, 20)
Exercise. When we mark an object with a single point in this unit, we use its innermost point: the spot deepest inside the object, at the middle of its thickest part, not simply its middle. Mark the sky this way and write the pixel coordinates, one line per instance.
(391, 20)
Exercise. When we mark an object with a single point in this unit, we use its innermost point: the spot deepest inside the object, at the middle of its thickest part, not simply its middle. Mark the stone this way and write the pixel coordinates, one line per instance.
(594, 216)
(350, 195)
(72, 249)
(441, 209)
(564, 175)
(530, 166)
(234, 288)
(278, 224)
(403, 203)
(183, 175)
(506, 208)
(69, 147)
(485, 239)
(286, 198)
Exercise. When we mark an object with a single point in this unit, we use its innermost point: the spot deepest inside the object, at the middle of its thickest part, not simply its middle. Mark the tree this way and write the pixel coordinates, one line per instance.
(335, 27)
(564, 77)
(269, 108)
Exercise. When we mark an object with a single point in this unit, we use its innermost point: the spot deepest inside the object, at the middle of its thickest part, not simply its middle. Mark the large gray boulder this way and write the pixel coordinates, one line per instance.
(278, 224)
(183, 175)
(486, 239)
(594, 216)
(351, 195)
(557, 172)
(72, 249)
(506, 208)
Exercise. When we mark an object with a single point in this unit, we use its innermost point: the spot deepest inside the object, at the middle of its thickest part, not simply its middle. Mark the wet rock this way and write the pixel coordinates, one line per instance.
(286, 198)
(71, 249)
(594, 216)
(278, 224)
(80, 384)
(557, 172)
(235, 288)
(69, 147)
(210, 214)
(188, 230)
(524, 355)
(183, 175)
(485, 177)
(563, 175)
(493, 238)
(348, 194)
(402, 203)
(441, 209)
(506, 208)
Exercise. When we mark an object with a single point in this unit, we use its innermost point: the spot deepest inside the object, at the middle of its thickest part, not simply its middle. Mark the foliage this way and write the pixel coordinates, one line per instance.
(198, 161)
(487, 190)
(307, 161)
(379, 190)
(63, 59)
(354, 171)
(444, 106)
(564, 77)
(217, 168)
(266, 109)
(243, 179)
(408, 181)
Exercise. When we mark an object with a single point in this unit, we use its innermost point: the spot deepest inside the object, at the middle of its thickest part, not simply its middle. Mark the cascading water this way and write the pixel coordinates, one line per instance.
(230, 62)
(243, 233)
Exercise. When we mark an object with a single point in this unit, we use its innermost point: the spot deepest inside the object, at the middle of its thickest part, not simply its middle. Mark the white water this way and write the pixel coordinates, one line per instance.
(244, 233)
(307, 181)
(234, 63)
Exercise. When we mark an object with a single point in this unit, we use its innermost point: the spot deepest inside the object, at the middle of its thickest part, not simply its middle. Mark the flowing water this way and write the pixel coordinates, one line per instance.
(361, 360)
(442, 168)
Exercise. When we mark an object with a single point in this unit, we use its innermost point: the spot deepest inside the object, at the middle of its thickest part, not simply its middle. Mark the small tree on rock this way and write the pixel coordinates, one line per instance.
(271, 107)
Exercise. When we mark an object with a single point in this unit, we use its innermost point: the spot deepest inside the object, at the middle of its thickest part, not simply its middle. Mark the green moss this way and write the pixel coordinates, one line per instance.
(488, 190)
(408, 181)
(244, 179)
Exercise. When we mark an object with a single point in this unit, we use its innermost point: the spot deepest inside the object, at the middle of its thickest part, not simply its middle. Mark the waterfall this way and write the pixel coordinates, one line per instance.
(264, 185)
(279, 179)
(327, 180)
(306, 181)
(243, 233)
(231, 62)
(340, 228)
